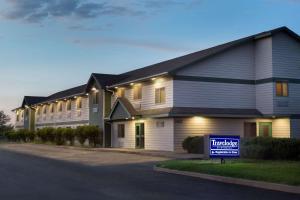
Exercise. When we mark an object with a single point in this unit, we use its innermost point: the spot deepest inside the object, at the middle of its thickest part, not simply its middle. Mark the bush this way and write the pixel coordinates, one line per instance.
(194, 144)
(271, 148)
(81, 134)
(12, 136)
(49, 134)
(58, 136)
(93, 135)
(41, 134)
(69, 135)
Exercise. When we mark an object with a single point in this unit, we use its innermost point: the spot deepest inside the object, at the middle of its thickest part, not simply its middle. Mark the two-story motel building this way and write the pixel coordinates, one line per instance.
(249, 87)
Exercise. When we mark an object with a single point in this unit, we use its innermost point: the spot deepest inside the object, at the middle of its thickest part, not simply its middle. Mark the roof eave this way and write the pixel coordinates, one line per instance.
(138, 79)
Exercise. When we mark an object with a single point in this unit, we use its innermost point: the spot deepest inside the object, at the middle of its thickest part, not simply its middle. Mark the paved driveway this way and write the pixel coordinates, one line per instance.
(46, 172)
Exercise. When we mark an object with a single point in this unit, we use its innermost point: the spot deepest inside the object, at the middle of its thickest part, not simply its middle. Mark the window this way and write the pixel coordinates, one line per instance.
(38, 111)
(18, 116)
(79, 103)
(137, 92)
(69, 106)
(95, 98)
(60, 106)
(45, 110)
(52, 108)
(121, 92)
(282, 89)
(121, 130)
(160, 95)
(160, 124)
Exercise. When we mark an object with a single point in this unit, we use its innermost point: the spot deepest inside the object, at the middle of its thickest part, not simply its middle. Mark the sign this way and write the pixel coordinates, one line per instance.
(224, 146)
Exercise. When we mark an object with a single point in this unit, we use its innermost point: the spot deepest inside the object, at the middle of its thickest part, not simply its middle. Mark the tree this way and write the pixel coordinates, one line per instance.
(4, 119)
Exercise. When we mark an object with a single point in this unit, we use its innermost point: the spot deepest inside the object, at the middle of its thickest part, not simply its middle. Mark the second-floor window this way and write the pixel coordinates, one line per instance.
(18, 116)
(38, 111)
(79, 103)
(69, 107)
(60, 107)
(282, 89)
(52, 108)
(160, 95)
(95, 98)
(137, 92)
(45, 110)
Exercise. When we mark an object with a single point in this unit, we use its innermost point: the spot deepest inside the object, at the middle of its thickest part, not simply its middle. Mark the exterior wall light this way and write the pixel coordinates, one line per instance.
(75, 97)
(132, 118)
(131, 83)
(87, 94)
(126, 118)
(116, 87)
(153, 79)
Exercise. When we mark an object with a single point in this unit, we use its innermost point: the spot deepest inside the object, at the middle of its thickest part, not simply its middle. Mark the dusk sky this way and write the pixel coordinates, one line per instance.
(52, 45)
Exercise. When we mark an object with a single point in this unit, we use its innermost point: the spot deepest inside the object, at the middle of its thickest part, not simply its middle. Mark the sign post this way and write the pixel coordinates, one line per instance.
(224, 146)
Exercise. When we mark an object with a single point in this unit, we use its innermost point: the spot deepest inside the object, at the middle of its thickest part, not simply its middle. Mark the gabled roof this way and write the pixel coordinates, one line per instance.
(172, 65)
(30, 100)
(105, 79)
(124, 105)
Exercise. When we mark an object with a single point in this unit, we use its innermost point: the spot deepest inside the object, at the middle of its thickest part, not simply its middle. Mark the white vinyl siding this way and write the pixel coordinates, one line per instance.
(263, 58)
(199, 126)
(264, 98)
(148, 95)
(235, 63)
(74, 115)
(295, 128)
(213, 95)
(156, 138)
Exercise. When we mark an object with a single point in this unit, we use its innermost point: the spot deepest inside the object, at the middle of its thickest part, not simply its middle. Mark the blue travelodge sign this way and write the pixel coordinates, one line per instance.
(221, 146)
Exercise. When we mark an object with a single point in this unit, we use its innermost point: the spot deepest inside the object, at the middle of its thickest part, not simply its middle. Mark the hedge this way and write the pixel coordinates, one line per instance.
(58, 136)
(271, 148)
(194, 144)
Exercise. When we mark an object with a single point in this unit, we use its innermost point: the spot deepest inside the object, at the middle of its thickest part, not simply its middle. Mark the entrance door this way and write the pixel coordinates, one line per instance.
(139, 135)
(249, 129)
(265, 129)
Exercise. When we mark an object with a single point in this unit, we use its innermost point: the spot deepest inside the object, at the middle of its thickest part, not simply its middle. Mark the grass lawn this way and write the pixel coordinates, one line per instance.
(285, 172)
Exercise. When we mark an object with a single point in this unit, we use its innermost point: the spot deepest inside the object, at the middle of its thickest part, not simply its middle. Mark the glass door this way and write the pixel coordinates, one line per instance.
(139, 136)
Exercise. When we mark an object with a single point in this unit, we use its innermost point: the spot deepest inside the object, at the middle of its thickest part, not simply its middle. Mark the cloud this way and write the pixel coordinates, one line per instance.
(129, 42)
(39, 10)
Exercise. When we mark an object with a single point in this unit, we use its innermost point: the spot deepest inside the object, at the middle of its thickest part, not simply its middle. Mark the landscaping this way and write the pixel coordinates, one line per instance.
(58, 136)
(284, 172)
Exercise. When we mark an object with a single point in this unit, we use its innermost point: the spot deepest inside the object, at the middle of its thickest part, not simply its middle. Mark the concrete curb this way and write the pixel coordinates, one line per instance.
(250, 183)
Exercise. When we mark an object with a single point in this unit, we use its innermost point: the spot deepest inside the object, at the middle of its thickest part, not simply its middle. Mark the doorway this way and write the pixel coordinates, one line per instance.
(139, 135)
(265, 129)
(250, 129)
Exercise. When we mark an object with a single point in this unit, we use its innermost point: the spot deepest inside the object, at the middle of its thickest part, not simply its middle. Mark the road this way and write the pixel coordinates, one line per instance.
(30, 177)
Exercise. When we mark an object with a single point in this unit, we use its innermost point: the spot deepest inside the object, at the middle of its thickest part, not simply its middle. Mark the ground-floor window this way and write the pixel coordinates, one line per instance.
(121, 130)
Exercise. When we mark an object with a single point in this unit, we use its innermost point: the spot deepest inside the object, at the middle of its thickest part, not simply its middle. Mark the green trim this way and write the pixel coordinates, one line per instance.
(139, 135)
(261, 124)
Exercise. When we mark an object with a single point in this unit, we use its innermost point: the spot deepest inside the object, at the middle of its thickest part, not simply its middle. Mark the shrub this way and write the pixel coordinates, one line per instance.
(41, 134)
(93, 135)
(58, 136)
(21, 135)
(69, 135)
(194, 144)
(271, 148)
(29, 135)
(12, 136)
(49, 134)
(81, 134)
